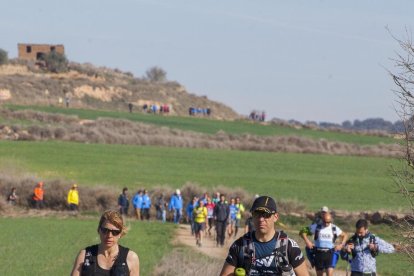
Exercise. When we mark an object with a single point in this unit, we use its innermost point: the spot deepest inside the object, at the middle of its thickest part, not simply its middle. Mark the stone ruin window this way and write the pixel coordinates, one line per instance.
(28, 49)
(52, 48)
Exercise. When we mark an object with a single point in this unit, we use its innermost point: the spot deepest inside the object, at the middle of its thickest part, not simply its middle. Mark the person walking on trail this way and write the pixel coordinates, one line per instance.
(73, 198)
(137, 204)
(232, 217)
(160, 206)
(123, 202)
(146, 206)
(221, 216)
(38, 196)
(239, 214)
(189, 213)
(210, 215)
(324, 251)
(176, 206)
(362, 248)
(200, 217)
(108, 257)
(265, 251)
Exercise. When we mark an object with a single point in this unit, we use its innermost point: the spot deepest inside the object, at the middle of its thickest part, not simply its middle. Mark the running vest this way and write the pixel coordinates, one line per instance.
(283, 267)
(318, 230)
(90, 264)
(357, 241)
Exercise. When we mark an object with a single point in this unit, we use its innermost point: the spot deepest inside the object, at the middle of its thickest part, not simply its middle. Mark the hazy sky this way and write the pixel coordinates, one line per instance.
(303, 60)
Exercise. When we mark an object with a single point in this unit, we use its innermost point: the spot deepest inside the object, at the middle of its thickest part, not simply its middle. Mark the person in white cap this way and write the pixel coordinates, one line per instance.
(265, 251)
(176, 205)
(323, 253)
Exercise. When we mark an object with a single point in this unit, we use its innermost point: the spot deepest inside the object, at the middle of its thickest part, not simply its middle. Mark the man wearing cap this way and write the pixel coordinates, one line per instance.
(73, 198)
(324, 251)
(265, 251)
(176, 205)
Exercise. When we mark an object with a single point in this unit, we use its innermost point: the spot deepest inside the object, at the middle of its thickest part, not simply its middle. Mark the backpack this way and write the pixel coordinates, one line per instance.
(90, 263)
(355, 240)
(247, 254)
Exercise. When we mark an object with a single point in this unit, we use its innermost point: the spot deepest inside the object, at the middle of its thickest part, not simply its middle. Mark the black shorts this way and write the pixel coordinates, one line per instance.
(323, 258)
(199, 226)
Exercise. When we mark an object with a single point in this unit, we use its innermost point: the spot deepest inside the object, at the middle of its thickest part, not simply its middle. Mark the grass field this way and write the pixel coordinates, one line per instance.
(213, 126)
(48, 246)
(341, 182)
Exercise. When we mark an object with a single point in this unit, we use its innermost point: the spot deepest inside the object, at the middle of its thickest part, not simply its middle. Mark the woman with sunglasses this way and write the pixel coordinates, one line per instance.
(108, 257)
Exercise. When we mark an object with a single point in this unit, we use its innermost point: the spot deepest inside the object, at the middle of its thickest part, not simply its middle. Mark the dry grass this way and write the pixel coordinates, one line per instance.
(116, 131)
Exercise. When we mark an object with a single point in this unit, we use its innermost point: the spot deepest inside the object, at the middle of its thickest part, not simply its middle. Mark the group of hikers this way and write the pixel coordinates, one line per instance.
(37, 197)
(260, 250)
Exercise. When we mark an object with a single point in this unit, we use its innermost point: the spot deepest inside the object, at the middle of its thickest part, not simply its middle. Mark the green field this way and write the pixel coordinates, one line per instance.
(341, 182)
(48, 246)
(210, 126)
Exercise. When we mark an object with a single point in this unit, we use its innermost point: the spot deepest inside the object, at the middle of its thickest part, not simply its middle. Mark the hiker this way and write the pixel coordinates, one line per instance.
(146, 205)
(240, 211)
(137, 204)
(248, 224)
(200, 217)
(160, 207)
(216, 199)
(108, 257)
(221, 217)
(324, 253)
(176, 205)
(362, 248)
(130, 106)
(12, 197)
(123, 202)
(73, 198)
(38, 195)
(265, 251)
(232, 217)
(189, 212)
(210, 215)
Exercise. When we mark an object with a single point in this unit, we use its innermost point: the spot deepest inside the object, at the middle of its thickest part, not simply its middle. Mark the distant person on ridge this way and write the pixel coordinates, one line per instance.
(123, 202)
(221, 215)
(12, 197)
(137, 203)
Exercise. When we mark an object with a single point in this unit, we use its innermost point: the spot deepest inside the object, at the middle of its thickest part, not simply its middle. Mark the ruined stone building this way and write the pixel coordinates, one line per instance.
(37, 51)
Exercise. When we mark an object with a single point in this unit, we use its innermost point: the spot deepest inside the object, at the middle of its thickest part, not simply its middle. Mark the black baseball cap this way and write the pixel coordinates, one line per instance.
(264, 204)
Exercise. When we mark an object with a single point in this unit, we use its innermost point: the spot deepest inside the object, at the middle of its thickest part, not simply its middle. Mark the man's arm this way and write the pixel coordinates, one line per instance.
(301, 270)
(309, 244)
(384, 247)
(344, 238)
(227, 270)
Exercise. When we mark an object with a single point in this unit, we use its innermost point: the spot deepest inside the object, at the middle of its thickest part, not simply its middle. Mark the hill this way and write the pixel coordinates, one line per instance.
(98, 88)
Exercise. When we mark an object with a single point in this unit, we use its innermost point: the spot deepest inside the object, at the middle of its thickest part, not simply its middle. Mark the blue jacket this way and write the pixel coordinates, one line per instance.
(146, 201)
(123, 201)
(362, 259)
(176, 202)
(190, 209)
(137, 201)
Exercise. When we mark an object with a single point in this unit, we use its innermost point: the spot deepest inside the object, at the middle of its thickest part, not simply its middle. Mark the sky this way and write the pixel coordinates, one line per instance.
(307, 60)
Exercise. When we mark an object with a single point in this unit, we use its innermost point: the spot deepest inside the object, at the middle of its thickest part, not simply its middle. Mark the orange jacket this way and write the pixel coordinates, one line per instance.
(38, 193)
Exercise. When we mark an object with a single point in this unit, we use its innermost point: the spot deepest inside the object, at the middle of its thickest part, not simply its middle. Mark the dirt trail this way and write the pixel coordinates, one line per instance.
(209, 248)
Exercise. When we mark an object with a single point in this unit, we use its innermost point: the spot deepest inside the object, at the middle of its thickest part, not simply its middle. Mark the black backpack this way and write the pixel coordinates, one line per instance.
(90, 263)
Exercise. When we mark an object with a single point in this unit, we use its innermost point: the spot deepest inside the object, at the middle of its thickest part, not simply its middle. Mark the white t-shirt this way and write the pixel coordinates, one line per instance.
(325, 238)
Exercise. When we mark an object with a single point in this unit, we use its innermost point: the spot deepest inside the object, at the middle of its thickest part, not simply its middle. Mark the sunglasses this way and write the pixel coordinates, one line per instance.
(262, 215)
(106, 231)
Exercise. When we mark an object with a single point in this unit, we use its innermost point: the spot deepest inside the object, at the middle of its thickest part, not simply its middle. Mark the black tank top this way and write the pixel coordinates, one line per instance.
(90, 265)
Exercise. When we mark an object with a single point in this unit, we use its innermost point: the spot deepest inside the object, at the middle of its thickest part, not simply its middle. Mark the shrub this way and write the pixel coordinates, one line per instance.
(4, 59)
(156, 74)
(56, 62)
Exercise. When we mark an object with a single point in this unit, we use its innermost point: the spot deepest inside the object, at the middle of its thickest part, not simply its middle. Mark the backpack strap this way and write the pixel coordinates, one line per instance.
(335, 233)
(372, 239)
(90, 260)
(281, 254)
(317, 230)
(247, 254)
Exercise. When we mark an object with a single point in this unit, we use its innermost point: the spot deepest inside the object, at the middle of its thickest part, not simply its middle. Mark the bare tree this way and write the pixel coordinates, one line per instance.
(156, 74)
(403, 76)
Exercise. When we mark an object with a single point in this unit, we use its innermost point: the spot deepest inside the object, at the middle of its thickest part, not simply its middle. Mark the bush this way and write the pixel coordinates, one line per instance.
(4, 59)
(56, 62)
(156, 74)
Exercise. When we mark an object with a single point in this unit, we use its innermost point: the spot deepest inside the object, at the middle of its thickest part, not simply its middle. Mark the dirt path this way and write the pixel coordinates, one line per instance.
(209, 248)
